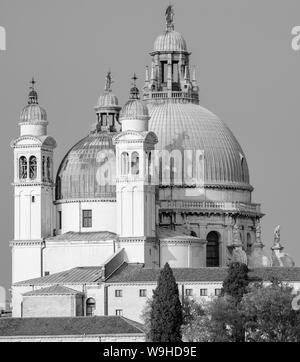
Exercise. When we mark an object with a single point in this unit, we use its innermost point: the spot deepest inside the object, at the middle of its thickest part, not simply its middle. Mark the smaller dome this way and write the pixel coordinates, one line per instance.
(170, 41)
(108, 99)
(33, 112)
(280, 258)
(134, 109)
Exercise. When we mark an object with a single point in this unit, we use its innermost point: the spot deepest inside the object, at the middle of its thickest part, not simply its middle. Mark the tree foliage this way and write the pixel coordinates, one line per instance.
(269, 315)
(236, 282)
(166, 315)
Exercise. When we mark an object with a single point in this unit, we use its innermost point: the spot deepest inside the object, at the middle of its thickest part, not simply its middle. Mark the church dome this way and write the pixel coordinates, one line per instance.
(88, 169)
(134, 109)
(107, 99)
(170, 41)
(188, 126)
(32, 113)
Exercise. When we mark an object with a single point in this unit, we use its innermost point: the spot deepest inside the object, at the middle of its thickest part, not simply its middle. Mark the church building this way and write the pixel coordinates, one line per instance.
(161, 179)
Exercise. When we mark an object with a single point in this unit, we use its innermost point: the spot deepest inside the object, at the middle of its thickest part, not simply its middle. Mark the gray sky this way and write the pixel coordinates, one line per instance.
(247, 72)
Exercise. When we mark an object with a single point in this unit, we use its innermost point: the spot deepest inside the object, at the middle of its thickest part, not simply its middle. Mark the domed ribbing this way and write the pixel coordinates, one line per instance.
(33, 112)
(108, 99)
(88, 169)
(170, 41)
(134, 109)
(189, 126)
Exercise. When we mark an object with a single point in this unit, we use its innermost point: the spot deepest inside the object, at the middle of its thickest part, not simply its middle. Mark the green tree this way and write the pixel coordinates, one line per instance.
(166, 315)
(226, 320)
(236, 282)
(269, 315)
(195, 321)
(227, 323)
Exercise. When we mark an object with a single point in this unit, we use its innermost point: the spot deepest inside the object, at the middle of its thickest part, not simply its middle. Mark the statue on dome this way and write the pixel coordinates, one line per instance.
(277, 234)
(109, 82)
(170, 17)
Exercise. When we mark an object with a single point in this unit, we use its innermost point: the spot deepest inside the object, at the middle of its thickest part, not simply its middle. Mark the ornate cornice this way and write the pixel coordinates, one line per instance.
(38, 242)
(68, 201)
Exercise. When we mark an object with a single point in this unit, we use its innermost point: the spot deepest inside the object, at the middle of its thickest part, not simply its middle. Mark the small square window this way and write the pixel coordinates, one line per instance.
(47, 273)
(143, 292)
(87, 218)
(218, 291)
(118, 293)
(203, 292)
(189, 292)
(119, 311)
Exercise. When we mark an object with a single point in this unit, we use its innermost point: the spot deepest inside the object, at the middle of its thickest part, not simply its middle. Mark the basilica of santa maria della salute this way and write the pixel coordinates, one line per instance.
(161, 179)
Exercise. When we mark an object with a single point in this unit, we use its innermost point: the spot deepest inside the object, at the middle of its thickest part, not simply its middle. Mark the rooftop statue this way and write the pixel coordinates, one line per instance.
(277, 234)
(170, 17)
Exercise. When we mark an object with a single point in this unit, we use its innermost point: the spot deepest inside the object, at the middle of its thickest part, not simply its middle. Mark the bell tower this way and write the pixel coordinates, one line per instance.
(33, 190)
(134, 187)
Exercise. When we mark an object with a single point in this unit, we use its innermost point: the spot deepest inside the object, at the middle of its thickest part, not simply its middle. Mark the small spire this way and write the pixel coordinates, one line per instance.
(194, 80)
(134, 92)
(170, 17)
(153, 72)
(186, 73)
(147, 74)
(32, 97)
(32, 82)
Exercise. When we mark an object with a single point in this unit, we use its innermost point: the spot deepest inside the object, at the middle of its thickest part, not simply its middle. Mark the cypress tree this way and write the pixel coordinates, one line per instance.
(166, 309)
(236, 282)
(235, 285)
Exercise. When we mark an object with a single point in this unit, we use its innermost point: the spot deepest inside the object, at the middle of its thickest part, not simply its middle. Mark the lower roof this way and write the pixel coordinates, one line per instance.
(53, 290)
(86, 236)
(69, 326)
(79, 275)
(135, 273)
(138, 273)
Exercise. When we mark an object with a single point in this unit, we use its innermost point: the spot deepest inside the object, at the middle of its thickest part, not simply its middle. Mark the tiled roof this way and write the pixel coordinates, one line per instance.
(137, 273)
(68, 326)
(53, 290)
(90, 274)
(164, 233)
(87, 236)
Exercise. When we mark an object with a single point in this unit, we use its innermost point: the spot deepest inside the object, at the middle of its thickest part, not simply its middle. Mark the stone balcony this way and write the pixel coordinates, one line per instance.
(174, 95)
(210, 206)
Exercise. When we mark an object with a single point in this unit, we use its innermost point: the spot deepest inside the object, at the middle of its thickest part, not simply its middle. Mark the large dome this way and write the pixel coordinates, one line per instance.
(88, 169)
(187, 126)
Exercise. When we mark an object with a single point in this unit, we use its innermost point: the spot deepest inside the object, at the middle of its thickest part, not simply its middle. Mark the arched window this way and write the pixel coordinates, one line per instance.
(124, 163)
(22, 167)
(212, 249)
(249, 244)
(135, 163)
(48, 169)
(58, 188)
(172, 171)
(43, 168)
(160, 171)
(90, 307)
(32, 167)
